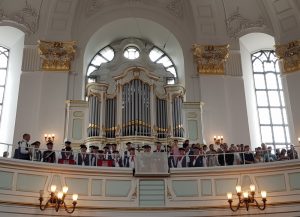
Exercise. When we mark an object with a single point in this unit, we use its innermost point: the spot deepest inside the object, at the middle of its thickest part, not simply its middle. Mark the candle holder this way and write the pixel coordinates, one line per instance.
(246, 199)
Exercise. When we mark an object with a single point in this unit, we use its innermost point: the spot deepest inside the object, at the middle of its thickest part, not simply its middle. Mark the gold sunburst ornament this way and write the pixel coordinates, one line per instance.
(290, 55)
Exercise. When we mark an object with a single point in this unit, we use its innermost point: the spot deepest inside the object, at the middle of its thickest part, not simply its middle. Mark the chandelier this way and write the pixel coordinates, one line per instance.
(57, 200)
(247, 198)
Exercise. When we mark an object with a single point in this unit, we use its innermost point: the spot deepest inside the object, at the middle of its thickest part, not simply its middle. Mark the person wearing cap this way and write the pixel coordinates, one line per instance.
(83, 158)
(36, 152)
(49, 155)
(117, 161)
(107, 153)
(63, 154)
(158, 147)
(197, 160)
(126, 152)
(147, 148)
(129, 160)
(94, 155)
(182, 160)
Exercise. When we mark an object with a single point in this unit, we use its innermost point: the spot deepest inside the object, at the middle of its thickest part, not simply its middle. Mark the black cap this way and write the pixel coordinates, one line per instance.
(68, 142)
(181, 149)
(92, 146)
(146, 146)
(83, 146)
(132, 149)
(105, 147)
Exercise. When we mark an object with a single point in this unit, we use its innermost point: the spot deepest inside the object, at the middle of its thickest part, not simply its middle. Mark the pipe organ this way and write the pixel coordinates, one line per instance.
(137, 105)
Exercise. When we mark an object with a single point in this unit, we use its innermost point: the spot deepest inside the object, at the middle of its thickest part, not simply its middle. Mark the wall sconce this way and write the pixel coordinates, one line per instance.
(49, 137)
(299, 139)
(218, 139)
(247, 198)
(58, 200)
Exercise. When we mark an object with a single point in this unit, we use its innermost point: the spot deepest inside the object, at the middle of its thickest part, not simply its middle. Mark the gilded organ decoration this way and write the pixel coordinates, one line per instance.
(210, 58)
(56, 56)
(290, 55)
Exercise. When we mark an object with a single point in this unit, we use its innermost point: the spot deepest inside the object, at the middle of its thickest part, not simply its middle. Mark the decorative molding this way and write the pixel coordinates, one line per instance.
(290, 55)
(175, 7)
(210, 58)
(56, 56)
(27, 17)
(237, 24)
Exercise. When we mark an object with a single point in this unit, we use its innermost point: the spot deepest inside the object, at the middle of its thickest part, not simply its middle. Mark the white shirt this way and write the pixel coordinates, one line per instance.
(23, 146)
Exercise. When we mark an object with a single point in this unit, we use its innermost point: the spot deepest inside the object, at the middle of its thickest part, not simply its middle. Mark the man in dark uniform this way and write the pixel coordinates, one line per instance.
(158, 147)
(49, 154)
(197, 159)
(64, 151)
(83, 158)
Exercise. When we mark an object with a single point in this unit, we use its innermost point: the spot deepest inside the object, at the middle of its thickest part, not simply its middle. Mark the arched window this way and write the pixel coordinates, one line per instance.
(4, 53)
(131, 53)
(103, 56)
(158, 56)
(271, 108)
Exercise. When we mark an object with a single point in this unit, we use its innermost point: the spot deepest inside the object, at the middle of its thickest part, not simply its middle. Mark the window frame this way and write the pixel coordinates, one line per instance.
(279, 91)
(5, 80)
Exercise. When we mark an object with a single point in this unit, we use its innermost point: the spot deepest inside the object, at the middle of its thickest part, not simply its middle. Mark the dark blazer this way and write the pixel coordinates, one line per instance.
(120, 163)
(171, 162)
(183, 162)
(86, 160)
(198, 163)
(49, 156)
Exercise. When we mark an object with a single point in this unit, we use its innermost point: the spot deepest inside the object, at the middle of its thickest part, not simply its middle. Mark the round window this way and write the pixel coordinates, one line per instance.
(131, 53)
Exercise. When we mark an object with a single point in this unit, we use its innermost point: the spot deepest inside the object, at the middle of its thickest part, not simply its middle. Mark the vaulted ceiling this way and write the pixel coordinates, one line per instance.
(203, 21)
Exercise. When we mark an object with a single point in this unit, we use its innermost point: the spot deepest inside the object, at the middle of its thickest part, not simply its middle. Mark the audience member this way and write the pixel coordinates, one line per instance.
(83, 158)
(36, 152)
(49, 154)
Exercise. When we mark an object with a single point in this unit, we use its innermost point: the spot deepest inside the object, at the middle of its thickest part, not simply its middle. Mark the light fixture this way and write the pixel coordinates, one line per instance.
(218, 139)
(299, 139)
(246, 198)
(58, 200)
(49, 137)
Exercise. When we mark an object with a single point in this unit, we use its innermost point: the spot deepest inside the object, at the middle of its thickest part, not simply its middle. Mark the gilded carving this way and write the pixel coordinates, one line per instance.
(290, 55)
(210, 58)
(56, 56)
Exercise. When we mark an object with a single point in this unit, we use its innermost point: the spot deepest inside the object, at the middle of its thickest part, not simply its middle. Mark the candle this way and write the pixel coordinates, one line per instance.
(75, 197)
(238, 189)
(65, 189)
(60, 195)
(252, 188)
(298, 139)
(245, 194)
(263, 194)
(229, 195)
(41, 193)
(53, 188)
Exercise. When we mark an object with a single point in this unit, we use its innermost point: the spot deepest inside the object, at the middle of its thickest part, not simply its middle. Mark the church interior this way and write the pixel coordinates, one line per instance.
(149, 108)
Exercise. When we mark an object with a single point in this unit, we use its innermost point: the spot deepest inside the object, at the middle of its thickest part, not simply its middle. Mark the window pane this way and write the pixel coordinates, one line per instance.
(280, 147)
(279, 134)
(259, 80)
(287, 133)
(257, 66)
(276, 116)
(282, 98)
(273, 98)
(98, 60)
(262, 99)
(266, 134)
(284, 116)
(264, 117)
(90, 70)
(277, 67)
(1, 94)
(271, 81)
(2, 77)
(279, 82)
(108, 53)
(172, 70)
(165, 61)
(3, 61)
(269, 66)
(155, 54)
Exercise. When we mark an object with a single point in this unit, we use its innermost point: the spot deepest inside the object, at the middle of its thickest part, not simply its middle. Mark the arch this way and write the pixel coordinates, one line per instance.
(114, 30)
(13, 39)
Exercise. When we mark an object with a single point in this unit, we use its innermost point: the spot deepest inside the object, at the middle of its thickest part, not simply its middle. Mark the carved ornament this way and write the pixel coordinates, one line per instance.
(236, 24)
(27, 17)
(56, 56)
(210, 58)
(175, 7)
(290, 55)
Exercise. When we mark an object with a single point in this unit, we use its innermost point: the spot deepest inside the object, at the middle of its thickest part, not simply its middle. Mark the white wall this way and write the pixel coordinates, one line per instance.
(41, 106)
(13, 39)
(224, 110)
